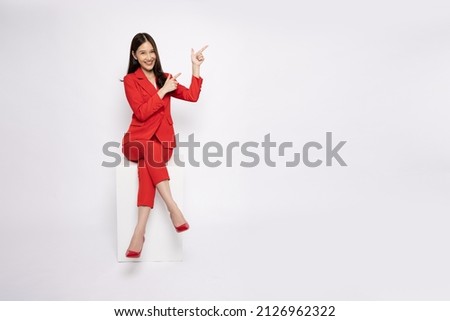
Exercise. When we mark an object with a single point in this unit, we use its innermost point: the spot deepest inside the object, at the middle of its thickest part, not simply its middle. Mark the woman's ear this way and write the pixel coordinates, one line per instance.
(134, 56)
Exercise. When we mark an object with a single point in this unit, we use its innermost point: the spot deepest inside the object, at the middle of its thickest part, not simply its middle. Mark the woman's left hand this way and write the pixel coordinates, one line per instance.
(197, 57)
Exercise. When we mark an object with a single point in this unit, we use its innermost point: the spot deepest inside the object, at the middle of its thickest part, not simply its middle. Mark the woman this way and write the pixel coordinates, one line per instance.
(150, 138)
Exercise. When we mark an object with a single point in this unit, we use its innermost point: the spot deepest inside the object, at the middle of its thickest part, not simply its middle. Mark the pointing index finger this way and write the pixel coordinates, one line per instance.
(176, 76)
(201, 50)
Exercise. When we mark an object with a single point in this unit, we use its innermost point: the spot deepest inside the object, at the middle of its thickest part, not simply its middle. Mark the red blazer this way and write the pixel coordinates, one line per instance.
(151, 114)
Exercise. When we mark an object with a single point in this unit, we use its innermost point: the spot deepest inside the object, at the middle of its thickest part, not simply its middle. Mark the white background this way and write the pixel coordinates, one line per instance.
(375, 74)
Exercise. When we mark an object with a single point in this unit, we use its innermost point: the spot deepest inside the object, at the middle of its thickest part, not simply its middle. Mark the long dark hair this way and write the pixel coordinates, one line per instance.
(133, 64)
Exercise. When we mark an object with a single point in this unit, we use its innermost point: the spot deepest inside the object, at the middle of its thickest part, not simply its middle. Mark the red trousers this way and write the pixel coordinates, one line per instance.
(151, 157)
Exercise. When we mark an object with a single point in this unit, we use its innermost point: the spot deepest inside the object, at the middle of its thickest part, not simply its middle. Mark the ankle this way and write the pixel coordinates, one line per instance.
(173, 208)
(139, 232)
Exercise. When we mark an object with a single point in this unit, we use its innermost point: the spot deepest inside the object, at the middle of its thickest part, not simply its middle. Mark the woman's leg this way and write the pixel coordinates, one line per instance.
(160, 178)
(135, 152)
(137, 241)
(177, 217)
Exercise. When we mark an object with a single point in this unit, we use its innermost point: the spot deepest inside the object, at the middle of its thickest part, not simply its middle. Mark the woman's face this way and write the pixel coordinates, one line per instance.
(146, 56)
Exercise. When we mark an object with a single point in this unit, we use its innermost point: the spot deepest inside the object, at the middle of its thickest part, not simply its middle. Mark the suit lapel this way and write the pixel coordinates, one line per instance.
(144, 82)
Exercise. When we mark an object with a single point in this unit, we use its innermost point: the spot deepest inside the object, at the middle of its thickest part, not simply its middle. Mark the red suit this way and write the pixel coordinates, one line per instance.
(150, 138)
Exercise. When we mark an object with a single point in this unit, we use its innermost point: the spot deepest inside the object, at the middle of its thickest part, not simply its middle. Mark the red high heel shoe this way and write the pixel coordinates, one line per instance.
(134, 254)
(182, 227)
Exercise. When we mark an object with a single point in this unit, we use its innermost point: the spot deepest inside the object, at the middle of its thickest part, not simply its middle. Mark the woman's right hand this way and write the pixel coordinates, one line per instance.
(171, 83)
